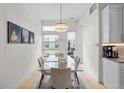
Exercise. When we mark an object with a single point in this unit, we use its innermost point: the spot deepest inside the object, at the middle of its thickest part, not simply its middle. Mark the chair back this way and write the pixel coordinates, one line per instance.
(77, 61)
(60, 54)
(61, 78)
(40, 61)
(62, 64)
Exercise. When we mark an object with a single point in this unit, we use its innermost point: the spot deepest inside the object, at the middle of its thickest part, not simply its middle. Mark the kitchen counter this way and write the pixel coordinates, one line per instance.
(119, 60)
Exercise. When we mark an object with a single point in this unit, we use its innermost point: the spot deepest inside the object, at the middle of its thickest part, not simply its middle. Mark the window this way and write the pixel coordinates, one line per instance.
(48, 28)
(51, 44)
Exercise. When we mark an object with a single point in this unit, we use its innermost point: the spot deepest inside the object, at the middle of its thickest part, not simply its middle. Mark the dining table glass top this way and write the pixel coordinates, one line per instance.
(59, 62)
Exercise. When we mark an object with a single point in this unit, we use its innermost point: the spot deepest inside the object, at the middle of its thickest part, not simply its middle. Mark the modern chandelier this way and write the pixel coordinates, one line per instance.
(61, 27)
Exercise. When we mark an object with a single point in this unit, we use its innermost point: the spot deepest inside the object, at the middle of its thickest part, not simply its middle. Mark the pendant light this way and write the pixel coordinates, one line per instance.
(61, 27)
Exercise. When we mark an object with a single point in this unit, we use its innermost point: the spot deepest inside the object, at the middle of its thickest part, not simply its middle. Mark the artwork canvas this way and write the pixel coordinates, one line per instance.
(14, 33)
(31, 38)
(25, 36)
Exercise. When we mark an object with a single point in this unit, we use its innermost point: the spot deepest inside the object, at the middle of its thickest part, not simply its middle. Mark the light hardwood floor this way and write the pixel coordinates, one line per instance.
(90, 83)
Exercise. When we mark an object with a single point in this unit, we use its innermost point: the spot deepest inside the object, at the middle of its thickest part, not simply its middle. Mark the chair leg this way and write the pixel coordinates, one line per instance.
(41, 80)
(52, 87)
(77, 77)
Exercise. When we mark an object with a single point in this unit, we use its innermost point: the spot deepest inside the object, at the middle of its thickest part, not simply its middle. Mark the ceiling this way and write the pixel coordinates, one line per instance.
(51, 11)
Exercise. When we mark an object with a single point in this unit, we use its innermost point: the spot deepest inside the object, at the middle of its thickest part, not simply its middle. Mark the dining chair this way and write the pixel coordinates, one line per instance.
(59, 54)
(62, 64)
(60, 78)
(41, 64)
(77, 62)
(62, 59)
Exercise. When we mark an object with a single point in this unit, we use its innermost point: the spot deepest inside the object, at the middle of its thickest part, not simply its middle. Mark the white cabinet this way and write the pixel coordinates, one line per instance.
(112, 24)
(123, 25)
(113, 74)
(110, 74)
(121, 75)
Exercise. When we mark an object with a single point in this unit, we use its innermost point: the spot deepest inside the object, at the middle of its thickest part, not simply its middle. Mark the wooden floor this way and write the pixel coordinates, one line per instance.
(90, 83)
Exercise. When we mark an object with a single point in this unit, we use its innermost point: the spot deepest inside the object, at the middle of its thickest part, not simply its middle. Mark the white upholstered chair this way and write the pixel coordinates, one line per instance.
(41, 64)
(60, 78)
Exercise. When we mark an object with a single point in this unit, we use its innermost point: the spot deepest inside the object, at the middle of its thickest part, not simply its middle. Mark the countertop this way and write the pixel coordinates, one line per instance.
(119, 60)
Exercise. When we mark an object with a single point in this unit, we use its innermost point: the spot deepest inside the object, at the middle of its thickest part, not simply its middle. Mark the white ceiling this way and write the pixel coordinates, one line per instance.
(51, 11)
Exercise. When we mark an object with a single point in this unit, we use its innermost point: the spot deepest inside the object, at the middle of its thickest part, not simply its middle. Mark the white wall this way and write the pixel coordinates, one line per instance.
(100, 67)
(79, 42)
(90, 39)
(17, 61)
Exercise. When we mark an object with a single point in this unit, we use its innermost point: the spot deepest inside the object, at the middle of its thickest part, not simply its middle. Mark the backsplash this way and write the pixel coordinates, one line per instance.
(121, 50)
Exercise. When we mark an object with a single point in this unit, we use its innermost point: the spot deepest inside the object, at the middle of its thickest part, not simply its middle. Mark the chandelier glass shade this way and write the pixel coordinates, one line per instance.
(61, 27)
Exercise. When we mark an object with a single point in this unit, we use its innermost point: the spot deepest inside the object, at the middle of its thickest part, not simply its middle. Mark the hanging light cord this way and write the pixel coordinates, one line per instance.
(61, 27)
(60, 13)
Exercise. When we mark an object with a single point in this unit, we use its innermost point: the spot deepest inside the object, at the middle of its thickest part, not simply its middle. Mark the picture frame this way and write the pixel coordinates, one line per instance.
(31, 38)
(25, 36)
(17, 34)
(14, 33)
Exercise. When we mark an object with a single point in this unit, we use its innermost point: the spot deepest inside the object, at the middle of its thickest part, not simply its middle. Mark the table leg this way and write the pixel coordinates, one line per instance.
(42, 76)
(77, 77)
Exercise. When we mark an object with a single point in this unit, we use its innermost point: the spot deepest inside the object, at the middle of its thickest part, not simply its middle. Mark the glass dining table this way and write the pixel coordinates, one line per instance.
(59, 62)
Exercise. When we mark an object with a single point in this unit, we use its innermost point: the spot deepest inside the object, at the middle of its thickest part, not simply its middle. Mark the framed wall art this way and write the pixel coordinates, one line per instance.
(25, 36)
(17, 34)
(14, 33)
(31, 39)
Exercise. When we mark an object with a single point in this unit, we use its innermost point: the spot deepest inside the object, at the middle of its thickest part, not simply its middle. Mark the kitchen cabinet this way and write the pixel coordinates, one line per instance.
(112, 24)
(123, 25)
(110, 74)
(113, 74)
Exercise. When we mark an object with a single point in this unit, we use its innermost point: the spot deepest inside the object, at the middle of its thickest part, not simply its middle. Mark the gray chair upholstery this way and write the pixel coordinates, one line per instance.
(60, 78)
(41, 64)
(59, 54)
(77, 61)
